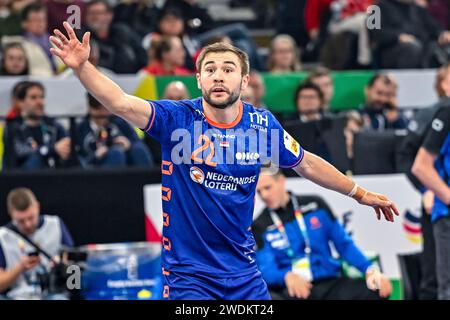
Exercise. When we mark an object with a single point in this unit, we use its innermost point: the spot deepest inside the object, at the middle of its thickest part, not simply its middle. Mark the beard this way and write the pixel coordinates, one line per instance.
(232, 98)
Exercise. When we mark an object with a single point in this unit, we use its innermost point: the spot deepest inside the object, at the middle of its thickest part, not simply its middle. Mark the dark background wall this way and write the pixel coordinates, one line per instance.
(98, 206)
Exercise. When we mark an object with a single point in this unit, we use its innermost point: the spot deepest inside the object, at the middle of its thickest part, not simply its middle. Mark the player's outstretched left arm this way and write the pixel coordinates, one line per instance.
(324, 174)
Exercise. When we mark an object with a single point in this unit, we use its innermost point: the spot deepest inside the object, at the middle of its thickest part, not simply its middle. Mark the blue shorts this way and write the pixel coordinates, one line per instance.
(182, 286)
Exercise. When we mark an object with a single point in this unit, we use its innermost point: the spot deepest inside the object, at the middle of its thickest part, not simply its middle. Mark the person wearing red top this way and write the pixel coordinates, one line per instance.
(315, 9)
(346, 16)
(166, 56)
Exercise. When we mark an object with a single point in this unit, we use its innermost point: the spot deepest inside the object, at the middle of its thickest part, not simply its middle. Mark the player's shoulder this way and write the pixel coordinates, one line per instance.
(443, 113)
(258, 118)
(186, 107)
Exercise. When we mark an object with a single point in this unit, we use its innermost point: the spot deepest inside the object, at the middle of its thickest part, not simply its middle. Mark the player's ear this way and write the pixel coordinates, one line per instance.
(245, 81)
(197, 75)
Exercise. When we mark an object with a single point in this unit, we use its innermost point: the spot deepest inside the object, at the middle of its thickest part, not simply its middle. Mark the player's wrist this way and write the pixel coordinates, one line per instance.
(357, 192)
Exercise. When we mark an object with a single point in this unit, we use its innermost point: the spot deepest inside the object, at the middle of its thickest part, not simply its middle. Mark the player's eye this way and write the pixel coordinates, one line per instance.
(209, 70)
(228, 70)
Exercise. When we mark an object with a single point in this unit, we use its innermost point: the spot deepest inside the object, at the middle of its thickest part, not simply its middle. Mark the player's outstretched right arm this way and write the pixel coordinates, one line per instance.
(75, 55)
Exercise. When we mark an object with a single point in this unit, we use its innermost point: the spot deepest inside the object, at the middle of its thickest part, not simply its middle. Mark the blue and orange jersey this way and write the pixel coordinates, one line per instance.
(209, 177)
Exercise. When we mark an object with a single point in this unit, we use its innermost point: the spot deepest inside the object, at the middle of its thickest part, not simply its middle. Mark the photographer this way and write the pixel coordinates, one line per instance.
(22, 267)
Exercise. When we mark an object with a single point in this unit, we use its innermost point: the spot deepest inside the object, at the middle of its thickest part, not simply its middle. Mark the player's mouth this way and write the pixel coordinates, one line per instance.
(219, 91)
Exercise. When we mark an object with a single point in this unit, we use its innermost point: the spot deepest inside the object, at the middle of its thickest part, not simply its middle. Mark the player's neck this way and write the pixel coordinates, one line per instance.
(222, 116)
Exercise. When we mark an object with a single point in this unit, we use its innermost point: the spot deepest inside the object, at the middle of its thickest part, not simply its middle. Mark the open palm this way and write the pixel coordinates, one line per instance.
(71, 51)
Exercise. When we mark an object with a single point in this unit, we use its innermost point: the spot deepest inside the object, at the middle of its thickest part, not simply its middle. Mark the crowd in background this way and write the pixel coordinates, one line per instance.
(165, 37)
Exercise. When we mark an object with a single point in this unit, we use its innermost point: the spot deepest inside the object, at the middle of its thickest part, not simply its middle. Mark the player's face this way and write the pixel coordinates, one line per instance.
(28, 219)
(221, 80)
(271, 189)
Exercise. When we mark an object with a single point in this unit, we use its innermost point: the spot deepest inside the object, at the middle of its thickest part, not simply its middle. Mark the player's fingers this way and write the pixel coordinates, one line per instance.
(378, 211)
(61, 36)
(56, 52)
(387, 214)
(57, 42)
(86, 38)
(395, 209)
(70, 31)
(290, 291)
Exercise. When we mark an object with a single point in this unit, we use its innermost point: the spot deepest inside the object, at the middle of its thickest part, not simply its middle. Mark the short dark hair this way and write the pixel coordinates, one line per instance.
(162, 46)
(318, 72)
(93, 103)
(379, 76)
(33, 7)
(20, 199)
(16, 89)
(27, 85)
(104, 2)
(308, 85)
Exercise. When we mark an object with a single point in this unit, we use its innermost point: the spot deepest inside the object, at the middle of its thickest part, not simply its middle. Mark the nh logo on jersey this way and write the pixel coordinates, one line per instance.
(197, 175)
(260, 119)
(291, 144)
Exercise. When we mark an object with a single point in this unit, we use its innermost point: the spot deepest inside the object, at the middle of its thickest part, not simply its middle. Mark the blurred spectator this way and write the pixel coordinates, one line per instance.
(107, 141)
(440, 10)
(294, 234)
(241, 38)
(197, 19)
(34, 141)
(168, 58)
(139, 15)
(248, 95)
(57, 12)
(120, 48)
(10, 22)
(354, 124)
(259, 88)
(410, 36)
(14, 60)
(14, 110)
(344, 16)
(309, 101)
(380, 111)
(321, 77)
(36, 41)
(176, 90)
(94, 57)
(283, 55)
(171, 24)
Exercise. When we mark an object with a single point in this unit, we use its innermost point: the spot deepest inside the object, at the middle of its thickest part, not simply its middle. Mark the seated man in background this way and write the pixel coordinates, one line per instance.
(309, 100)
(321, 77)
(20, 263)
(258, 86)
(105, 140)
(293, 252)
(380, 110)
(34, 141)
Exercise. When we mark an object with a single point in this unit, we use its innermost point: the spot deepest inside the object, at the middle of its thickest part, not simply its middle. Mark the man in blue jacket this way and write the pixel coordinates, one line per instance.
(293, 252)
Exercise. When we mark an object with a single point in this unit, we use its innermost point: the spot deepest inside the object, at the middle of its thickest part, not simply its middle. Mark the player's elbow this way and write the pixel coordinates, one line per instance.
(419, 169)
(422, 164)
